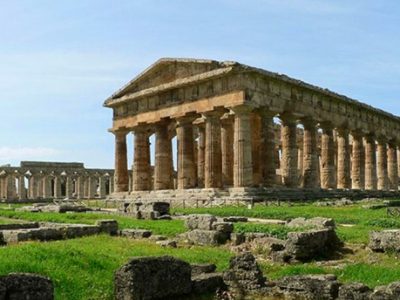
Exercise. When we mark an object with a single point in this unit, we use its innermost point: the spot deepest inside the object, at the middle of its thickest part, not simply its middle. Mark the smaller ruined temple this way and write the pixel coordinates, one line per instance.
(54, 180)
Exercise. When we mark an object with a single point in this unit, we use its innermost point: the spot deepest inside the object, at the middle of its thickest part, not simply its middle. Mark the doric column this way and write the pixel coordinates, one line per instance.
(21, 187)
(91, 187)
(201, 148)
(11, 188)
(243, 165)
(370, 163)
(163, 158)
(393, 174)
(186, 169)
(327, 157)
(80, 194)
(289, 151)
(102, 187)
(31, 187)
(213, 158)
(255, 147)
(141, 177)
(57, 187)
(343, 160)
(358, 162)
(47, 187)
(382, 170)
(121, 176)
(68, 187)
(267, 159)
(310, 155)
(227, 150)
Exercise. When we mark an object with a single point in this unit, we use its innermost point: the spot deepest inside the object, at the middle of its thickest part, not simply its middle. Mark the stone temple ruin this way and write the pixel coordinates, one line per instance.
(243, 132)
(54, 180)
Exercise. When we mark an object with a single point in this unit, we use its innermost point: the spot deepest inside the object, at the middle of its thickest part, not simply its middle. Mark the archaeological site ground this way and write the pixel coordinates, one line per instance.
(261, 187)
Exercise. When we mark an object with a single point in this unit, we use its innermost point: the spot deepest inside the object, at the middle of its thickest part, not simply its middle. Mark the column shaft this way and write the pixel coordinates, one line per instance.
(267, 159)
(310, 155)
(343, 160)
(213, 158)
(141, 177)
(370, 163)
(393, 174)
(382, 165)
(289, 160)
(256, 147)
(358, 162)
(201, 148)
(121, 176)
(227, 151)
(327, 158)
(163, 162)
(242, 153)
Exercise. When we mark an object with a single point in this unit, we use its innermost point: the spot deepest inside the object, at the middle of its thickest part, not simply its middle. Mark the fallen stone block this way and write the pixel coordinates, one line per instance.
(201, 221)
(223, 227)
(167, 244)
(317, 222)
(207, 283)
(108, 226)
(207, 237)
(237, 238)
(386, 240)
(322, 287)
(26, 286)
(153, 278)
(157, 238)
(235, 219)
(135, 233)
(19, 226)
(35, 234)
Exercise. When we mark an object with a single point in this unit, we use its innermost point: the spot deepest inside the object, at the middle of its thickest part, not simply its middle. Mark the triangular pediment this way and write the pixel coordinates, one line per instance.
(167, 70)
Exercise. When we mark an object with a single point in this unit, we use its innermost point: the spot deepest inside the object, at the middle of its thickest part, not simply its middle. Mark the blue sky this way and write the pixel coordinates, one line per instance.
(59, 60)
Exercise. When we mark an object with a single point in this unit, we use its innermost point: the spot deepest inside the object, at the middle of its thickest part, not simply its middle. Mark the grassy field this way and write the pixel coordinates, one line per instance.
(83, 268)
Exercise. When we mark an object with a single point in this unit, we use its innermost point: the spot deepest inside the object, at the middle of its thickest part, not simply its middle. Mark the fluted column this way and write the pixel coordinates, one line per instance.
(227, 150)
(163, 158)
(242, 153)
(370, 163)
(186, 168)
(382, 170)
(68, 187)
(267, 159)
(213, 156)
(21, 187)
(310, 155)
(80, 194)
(289, 160)
(121, 176)
(343, 160)
(57, 187)
(102, 187)
(393, 174)
(11, 188)
(327, 157)
(141, 177)
(358, 162)
(201, 148)
(255, 147)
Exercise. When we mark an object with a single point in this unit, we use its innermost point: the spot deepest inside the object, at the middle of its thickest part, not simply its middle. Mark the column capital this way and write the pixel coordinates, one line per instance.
(309, 123)
(217, 113)
(288, 118)
(122, 132)
(326, 125)
(382, 140)
(357, 133)
(342, 131)
(185, 120)
(241, 109)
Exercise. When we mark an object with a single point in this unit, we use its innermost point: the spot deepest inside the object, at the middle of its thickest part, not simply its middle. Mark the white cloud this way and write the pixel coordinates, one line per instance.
(26, 153)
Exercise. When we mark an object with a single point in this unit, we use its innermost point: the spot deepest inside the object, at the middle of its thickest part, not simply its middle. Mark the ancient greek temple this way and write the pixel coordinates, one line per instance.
(54, 180)
(243, 131)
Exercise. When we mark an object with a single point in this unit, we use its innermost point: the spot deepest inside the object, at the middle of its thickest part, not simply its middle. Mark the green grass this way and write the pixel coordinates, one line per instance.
(83, 268)
(163, 227)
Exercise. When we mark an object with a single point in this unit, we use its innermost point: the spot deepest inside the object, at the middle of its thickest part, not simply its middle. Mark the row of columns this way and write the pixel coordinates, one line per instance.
(238, 150)
(47, 187)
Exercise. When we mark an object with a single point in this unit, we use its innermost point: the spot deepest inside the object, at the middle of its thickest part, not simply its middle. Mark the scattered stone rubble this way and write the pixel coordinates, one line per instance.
(56, 208)
(317, 222)
(339, 203)
(147, 210)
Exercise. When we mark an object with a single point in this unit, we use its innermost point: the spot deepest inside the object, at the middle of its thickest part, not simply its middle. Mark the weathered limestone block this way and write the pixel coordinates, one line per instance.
(108, 226)
(386, 240)
(244, 274)
(153, 278)
(201, 221)
(317, 222)
(19, 226)
(234, 219)
(307, 245)
(167, 244)
(207, 237)
(225, 227)
(322, 287)
(35, 234)
(237, 238)
(76, 230)
(354, 291)
(207, 283)
(135, 233)
(26, 286)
